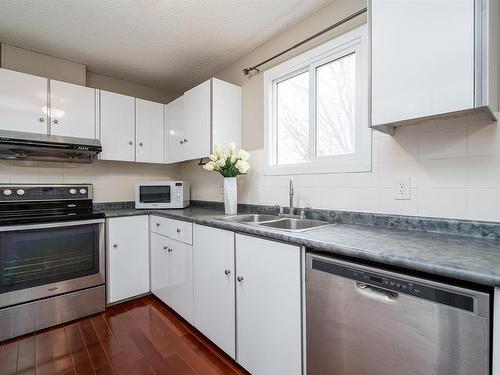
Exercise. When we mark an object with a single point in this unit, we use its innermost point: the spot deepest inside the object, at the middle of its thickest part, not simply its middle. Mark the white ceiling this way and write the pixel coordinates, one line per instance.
(168, 44)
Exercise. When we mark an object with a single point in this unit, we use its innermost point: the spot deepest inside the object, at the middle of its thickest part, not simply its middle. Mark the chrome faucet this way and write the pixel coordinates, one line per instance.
(291, 197)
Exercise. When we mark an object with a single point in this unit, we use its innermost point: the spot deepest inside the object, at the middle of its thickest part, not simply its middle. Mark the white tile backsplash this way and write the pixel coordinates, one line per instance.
(443, 144)
(449, 203)
(453, 166)
(442, 173)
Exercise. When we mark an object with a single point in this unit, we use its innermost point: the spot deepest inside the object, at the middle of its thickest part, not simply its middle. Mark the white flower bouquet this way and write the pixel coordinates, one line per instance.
(230, 164)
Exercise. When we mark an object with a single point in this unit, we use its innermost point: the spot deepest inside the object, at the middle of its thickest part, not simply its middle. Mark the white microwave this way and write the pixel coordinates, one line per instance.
(162, 194)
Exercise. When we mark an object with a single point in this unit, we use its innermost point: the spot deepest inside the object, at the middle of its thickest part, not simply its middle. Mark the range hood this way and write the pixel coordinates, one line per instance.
(31, 146)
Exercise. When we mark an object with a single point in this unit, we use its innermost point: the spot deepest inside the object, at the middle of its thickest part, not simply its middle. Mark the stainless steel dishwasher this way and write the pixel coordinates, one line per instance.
(366, 321)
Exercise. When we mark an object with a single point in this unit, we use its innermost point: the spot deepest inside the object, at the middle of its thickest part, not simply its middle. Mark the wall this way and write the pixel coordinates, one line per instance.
(99, 81)
(38, 64)
(113, 181)
(453, 165)
(30, 62)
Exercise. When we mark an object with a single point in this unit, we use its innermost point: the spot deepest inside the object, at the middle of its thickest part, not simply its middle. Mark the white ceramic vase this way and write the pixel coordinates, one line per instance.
(230, 196)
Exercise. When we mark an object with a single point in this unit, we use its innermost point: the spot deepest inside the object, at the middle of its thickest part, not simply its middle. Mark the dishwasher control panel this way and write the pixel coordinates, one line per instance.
(398, 285)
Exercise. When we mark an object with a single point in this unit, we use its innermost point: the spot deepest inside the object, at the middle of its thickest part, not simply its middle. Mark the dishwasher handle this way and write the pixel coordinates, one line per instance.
(376, 293)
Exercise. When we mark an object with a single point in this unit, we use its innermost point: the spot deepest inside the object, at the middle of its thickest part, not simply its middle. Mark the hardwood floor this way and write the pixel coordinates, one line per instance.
(142, 336)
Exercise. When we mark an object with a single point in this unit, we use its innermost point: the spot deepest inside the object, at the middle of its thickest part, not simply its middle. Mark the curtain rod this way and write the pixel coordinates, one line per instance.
(246, 71)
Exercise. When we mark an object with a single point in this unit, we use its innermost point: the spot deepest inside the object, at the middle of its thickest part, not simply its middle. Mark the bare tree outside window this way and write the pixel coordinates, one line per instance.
(335, 107)
(293, 119)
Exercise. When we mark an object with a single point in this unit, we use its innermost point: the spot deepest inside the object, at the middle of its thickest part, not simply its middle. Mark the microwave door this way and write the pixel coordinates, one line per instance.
(155, 194)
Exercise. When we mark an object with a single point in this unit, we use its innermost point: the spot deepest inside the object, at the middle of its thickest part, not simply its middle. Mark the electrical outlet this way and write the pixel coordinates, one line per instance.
(402, 188)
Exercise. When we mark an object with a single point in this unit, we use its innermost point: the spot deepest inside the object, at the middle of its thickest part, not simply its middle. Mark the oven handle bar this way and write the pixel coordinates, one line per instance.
(51, 225)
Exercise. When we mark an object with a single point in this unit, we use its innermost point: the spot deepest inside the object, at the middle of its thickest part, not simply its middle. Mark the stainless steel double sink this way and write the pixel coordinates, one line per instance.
(289, 224)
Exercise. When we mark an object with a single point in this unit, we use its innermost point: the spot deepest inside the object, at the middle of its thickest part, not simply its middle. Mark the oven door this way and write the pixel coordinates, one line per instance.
(153, 196)
(43, 260)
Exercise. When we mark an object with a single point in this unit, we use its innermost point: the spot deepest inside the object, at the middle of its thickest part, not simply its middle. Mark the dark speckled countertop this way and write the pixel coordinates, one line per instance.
(459, 257)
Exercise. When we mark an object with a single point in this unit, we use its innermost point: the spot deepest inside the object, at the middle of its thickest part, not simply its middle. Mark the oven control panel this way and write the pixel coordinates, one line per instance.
(9, 193)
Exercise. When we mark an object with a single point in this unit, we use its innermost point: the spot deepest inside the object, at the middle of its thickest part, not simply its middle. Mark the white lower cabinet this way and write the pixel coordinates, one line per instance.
(172, 269)
(127, 257)
(248, 299)
(214, 294)
(160, 267)
(268, 306)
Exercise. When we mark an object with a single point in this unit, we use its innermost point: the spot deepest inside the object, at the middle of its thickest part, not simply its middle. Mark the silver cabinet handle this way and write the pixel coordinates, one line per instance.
(178, 230)
(140, 143)
(165, 247)
(227, 272)
(157, 224)
(181, 142)
(41, 119)
(115, 245)
(56, 121)
(239, 278)
(169, 250)
(185, 140)
(130, 143)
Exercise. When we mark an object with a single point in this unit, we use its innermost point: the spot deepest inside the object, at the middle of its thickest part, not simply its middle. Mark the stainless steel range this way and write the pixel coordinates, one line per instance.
(51, 257)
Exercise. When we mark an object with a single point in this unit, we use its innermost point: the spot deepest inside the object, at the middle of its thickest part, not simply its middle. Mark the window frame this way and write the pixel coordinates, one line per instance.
(354, 41)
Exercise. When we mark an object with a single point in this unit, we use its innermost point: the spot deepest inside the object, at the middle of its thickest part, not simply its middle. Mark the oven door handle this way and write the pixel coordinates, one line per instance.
(51, 225)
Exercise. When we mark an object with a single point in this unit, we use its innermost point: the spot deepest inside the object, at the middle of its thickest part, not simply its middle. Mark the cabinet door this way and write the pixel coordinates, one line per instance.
(72, 110)
(197, 121)
(23, 102)
(214, 302)
(128, 257)
(149, 128)
(422, 58)
(117, 126)
(175, 130)
(181, 279)
(268, 306)
(226, 113)
(160, 267)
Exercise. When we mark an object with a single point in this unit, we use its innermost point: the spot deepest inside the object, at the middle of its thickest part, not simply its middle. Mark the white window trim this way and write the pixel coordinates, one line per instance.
(361, 161)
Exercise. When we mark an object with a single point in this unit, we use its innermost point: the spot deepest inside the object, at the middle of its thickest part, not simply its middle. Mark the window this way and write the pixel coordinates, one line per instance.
(316, 109)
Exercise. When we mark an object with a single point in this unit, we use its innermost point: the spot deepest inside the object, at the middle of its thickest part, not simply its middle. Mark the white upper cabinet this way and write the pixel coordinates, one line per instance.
(174, 136)
(72, 110)
(211, 115)
(429, 58)
(226, 113)
(149, 131)
(23, 102)
(197, 122)
(117, 126)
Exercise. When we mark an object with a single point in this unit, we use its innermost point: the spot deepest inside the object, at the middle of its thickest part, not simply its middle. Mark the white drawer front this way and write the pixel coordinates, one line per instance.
(175, 229)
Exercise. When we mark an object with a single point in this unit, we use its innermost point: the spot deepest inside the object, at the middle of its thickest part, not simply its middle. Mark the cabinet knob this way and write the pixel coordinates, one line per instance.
(227, 272)
(140, 143)
(41, 119)
(239, 278)
(115, 245)
(56, 121)
(185, 140)
(157, 224)
(169, 250)
(181, 142)
(178, 230)
(130, 143)
(165, 247)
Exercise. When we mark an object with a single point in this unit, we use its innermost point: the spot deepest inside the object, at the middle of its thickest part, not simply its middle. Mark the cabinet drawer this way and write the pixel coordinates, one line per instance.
(174, 229)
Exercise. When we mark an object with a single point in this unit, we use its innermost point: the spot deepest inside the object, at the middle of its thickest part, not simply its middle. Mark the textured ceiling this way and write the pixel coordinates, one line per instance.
(167, 44)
